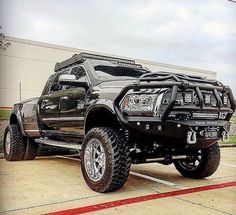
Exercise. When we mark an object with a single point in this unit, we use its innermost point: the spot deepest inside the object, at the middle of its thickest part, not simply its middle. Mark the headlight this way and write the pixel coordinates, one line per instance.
(139, 102)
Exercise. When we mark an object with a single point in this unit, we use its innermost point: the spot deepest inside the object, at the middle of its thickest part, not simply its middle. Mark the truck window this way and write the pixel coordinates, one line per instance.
(55, 85)
(48, 85)
(114, 72)
(80, 74)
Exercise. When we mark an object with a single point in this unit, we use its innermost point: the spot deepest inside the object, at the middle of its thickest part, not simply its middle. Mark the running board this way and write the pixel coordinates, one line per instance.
(62, 144)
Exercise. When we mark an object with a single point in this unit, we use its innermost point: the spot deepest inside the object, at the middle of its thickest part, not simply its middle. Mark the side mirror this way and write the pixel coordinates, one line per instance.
(71, 81)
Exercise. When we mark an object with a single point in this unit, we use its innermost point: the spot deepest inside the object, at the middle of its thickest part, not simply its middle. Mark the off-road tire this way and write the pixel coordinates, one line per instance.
(17, 148)
(31, 149)
(208, 165)
(118, 159)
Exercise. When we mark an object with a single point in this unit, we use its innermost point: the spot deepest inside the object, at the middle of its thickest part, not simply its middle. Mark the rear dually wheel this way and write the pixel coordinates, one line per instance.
(13, 143)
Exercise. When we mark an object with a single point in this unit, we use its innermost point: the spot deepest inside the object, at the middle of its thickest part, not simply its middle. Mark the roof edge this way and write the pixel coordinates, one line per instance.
(77, 50)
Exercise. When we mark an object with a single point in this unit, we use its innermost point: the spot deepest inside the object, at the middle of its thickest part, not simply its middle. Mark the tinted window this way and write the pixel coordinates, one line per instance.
(117, 71)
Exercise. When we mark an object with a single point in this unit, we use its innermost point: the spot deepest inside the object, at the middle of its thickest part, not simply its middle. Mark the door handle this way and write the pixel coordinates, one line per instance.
(51, 107)
(64, 98)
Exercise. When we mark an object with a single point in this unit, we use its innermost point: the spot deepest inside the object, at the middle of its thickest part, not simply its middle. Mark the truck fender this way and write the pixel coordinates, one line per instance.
(16, 118)
(101, 105)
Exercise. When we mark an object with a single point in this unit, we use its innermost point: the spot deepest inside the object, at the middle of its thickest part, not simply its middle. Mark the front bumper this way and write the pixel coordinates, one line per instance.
(191, 133)
(173, 128)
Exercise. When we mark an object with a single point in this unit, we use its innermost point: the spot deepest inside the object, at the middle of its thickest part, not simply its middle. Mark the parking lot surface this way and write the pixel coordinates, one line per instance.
(55, 185)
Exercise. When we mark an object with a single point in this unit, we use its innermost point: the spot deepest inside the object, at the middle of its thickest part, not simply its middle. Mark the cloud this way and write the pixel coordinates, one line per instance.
(200, 34)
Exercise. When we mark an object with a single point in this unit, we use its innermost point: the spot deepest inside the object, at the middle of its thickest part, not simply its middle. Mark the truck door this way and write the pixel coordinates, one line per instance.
(49, 103)
(72, 104)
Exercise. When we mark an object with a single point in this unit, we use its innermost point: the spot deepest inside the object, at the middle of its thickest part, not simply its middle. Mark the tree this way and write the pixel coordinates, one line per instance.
(3, 44)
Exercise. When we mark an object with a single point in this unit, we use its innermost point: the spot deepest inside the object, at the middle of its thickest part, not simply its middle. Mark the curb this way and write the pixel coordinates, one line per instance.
(227, 145)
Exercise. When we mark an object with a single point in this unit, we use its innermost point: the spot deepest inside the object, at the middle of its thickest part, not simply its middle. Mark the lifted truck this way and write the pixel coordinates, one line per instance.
(115, 112)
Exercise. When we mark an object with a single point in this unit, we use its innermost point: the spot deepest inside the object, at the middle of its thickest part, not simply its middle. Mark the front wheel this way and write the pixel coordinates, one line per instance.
(105, 159)
(202, 163)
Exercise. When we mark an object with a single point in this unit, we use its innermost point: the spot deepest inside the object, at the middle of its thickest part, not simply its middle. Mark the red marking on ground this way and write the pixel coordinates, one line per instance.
(133, 200)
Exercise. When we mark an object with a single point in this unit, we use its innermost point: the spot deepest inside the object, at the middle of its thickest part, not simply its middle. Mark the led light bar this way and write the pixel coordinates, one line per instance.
(79, 58)
(135, 66)
(106, 58)
(205, 115)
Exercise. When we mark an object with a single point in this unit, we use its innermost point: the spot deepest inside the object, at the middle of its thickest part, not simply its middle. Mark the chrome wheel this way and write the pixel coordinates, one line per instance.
(8, 143)
(94, 159)
(193, 162)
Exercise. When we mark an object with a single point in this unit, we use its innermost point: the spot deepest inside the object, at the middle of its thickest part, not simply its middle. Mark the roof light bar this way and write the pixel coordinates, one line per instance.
(79, 58)
(106, 58)
(135, 66)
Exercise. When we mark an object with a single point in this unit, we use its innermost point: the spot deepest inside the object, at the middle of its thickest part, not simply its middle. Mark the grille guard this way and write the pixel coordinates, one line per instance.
(175, 82)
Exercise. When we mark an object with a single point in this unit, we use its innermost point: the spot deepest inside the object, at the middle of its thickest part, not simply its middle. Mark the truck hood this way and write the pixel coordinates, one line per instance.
(116, 83)
(109, 90)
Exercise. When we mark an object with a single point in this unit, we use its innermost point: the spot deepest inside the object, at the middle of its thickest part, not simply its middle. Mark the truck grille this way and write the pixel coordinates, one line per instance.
(190, 102)
(189, 98)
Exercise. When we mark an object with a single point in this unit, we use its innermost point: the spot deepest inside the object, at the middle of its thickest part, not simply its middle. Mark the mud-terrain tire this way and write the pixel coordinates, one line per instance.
(31, 149)
(208, 164)
(115, 166)
(13, 143)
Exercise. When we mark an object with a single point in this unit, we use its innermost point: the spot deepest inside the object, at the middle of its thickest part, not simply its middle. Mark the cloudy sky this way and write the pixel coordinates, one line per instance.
(200, 34)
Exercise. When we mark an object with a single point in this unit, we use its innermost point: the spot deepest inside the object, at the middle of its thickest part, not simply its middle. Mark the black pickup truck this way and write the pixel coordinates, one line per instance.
(115, 112)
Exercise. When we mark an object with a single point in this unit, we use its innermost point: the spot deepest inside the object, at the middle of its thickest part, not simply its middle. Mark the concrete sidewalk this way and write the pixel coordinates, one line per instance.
(55, 183)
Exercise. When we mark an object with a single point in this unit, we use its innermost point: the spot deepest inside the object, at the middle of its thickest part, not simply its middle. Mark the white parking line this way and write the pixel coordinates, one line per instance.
(68, 158)
(171, 184)
(226, 164)
(229, 152)
(226, 156)
(157, 180)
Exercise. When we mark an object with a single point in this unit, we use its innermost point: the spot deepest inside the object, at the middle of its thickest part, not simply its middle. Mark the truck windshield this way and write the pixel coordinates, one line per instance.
(117, 72)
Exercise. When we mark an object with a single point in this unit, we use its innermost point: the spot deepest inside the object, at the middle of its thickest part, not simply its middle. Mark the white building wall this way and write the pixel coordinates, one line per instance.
(31, 63)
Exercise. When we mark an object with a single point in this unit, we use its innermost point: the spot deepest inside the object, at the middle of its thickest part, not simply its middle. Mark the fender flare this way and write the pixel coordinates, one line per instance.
(17, 115)
(100, 104)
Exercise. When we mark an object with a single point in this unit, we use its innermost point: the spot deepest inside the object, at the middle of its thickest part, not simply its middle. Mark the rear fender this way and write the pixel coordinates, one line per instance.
(16, 118)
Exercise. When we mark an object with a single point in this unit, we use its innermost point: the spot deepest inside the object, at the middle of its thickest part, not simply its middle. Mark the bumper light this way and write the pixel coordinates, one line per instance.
(187, 97)
(225, 100)
(205, 115)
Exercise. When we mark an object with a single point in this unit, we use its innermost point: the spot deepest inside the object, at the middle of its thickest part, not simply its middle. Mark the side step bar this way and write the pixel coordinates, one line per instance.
(62, 144)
